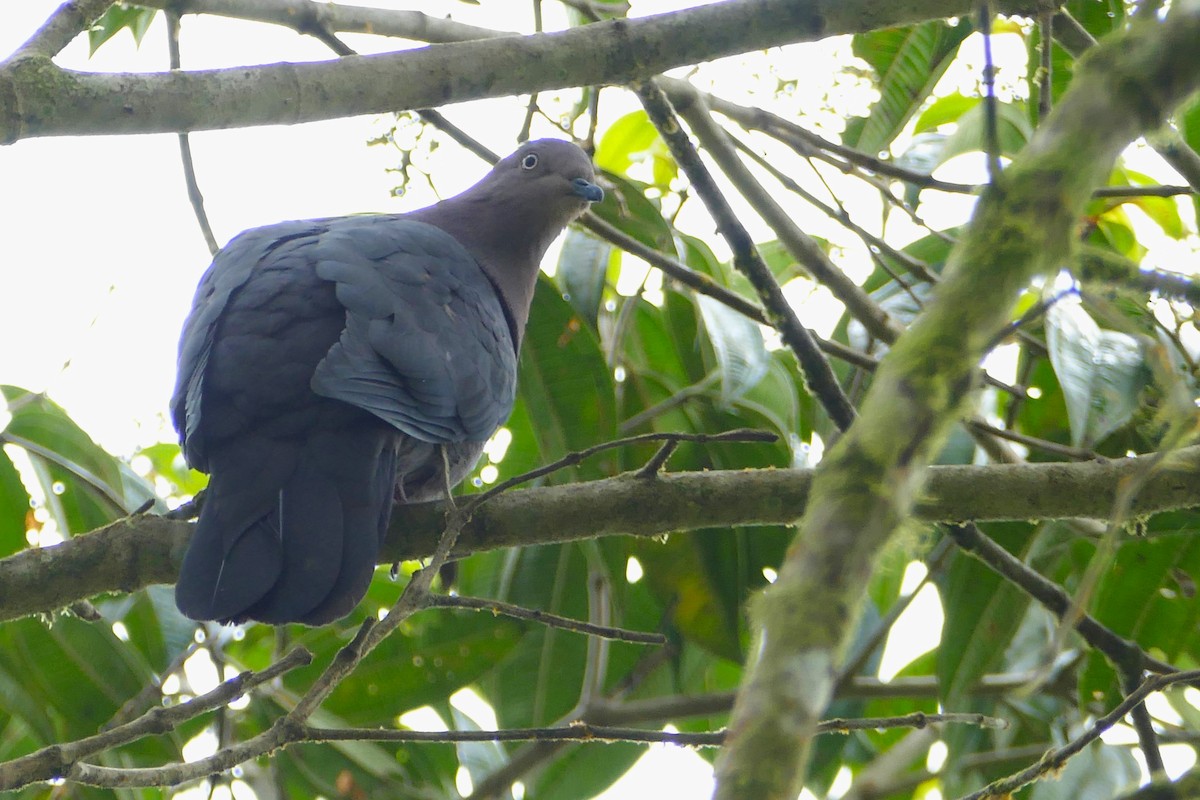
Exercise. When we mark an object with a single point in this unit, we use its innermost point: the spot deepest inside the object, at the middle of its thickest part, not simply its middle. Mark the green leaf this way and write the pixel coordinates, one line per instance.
(565, 384)
(585, 771)
(982, 613)
(1147, 595)
(1162, 210)
(14, 507)
(78, 673)
(582, 268)
(1096, 771)
(909, 61)
(1012, 129)
(166, 461)
(944, 110)
(1187, 120)
(479, 759)
(628, 208)
(120, 16)
(631, 141)
(738, 344)
(84, 486)
(1101, 372)
(434, 655)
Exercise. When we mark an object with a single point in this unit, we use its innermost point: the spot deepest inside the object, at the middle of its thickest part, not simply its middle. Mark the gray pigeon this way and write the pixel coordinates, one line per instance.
(326, 363)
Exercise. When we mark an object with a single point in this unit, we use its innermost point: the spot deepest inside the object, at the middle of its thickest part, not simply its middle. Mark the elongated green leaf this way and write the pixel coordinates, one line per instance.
(586, 771)
(982, 613)
(944, 110)
(1012, 129)
(479, 759)
(627, 207)
(1101, 372)
(738, 344)
(1147, 595)
(908, 61)
(1187, 119)
(14, 507)
(564, 382)
(582, 269)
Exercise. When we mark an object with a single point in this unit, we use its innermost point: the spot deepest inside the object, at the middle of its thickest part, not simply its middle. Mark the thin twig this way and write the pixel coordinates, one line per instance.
(588, 732)
(185, 148)
(1033, 442)
(64, 759)
(544, 618)
(990, 103)
(1049, 594)
(1045, 76)
(820, 377)
(1054, 759)
(659, 460)
(573, 458)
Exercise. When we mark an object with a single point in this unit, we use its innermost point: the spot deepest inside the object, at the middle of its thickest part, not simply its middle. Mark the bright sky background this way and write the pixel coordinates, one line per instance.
(101, 251)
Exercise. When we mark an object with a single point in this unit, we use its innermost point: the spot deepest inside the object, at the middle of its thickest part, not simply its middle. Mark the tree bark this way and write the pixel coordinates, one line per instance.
(38, 98)
(137, 551)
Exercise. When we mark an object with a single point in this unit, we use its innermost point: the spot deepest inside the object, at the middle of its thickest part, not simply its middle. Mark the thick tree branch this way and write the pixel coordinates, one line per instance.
(307, 16)
(140, 550)
(37, 98)
(869, 482)
(67, 21)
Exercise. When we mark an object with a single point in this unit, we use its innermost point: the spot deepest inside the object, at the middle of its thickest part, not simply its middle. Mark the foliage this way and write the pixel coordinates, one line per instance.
(1102, 370)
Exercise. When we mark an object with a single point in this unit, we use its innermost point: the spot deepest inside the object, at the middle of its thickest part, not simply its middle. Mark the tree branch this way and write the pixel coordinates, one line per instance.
(67, 21)
(1053, 760)
(140, 550)
(818, 375)
(60, 759)
(306, 16)
(37, 98)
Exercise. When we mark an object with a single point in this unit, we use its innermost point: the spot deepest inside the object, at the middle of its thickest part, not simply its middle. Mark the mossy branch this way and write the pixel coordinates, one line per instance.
(869, 483)
(143, 549)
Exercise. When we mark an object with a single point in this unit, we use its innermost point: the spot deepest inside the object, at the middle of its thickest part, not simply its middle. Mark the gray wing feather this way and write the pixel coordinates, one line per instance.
(231, 268)
(427, 346)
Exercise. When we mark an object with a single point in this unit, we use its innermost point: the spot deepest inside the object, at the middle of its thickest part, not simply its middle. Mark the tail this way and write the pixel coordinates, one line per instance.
(290, 530)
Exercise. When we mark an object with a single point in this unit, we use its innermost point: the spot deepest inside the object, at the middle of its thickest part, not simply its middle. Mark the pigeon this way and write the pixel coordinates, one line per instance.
(332, 367)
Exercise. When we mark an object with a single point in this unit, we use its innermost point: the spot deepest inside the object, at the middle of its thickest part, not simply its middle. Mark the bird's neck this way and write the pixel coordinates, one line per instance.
(509, 243)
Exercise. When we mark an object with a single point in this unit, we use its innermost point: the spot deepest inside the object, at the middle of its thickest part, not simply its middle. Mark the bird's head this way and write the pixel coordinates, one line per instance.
(551, 175)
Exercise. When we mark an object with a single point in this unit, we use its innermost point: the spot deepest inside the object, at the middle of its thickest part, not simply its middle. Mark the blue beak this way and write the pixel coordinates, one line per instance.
(587, 190)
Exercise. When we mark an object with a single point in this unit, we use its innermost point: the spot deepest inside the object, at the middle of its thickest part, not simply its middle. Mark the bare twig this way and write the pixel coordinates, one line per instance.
(573, 458)
(821, 380)
(185, 148)
(544, 618)
(64, 759)
(1054, 759)
(990, 111)
(1049, 594)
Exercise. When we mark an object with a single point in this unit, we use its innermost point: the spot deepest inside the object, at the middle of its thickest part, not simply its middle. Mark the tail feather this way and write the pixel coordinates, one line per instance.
(360, 552)
(300, 550)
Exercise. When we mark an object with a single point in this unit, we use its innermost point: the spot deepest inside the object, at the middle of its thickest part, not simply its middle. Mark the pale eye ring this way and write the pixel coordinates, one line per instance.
(529, 161)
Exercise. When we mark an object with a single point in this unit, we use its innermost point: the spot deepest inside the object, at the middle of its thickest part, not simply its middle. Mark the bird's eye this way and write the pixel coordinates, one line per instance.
(529, 161)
